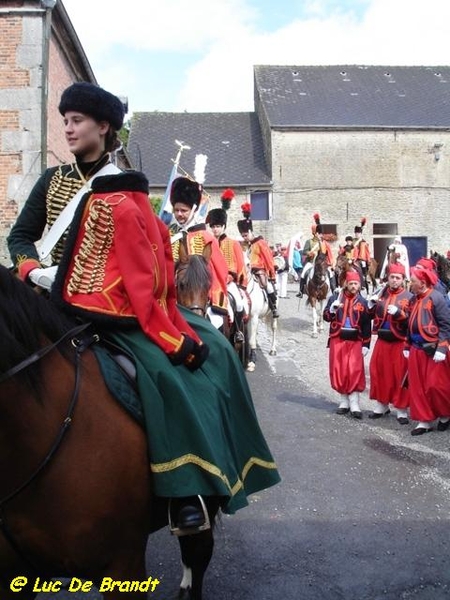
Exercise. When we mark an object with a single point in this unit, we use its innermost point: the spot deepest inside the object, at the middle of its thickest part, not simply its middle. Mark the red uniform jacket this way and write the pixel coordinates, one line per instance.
(261, 257)
(196, 239)
(234, 257)
(361, 251)
(118, 263)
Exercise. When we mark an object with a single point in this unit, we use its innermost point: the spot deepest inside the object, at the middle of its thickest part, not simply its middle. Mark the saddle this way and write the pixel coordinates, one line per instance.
(119, 373)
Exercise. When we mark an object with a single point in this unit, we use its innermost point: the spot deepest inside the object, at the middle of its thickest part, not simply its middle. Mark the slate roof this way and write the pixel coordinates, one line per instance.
(231, 141)
(354, 96)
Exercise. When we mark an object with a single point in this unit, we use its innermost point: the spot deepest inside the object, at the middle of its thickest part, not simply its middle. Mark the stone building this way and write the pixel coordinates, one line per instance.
(345, 141)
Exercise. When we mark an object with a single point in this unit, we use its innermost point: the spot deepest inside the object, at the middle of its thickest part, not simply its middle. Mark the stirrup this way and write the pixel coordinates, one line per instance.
(175, 530)
(239, 337)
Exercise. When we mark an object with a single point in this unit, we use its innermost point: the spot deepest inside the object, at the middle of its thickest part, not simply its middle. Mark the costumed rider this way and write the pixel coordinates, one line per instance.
(396, 252)
(116, 271)
(361, 252)
(260, 257)
(92, 118)
(189, 228)
(348, 247)
(313, 247)
(234, 257)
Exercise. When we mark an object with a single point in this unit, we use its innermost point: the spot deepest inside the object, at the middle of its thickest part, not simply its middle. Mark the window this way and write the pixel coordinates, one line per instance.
(261, 205)
(385, 229)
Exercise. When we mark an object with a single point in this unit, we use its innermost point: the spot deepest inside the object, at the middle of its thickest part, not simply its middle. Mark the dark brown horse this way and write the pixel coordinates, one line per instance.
(317, 288)
(75, 492)
(442, 268)
(193, 279)
(193, 282)
(343, 265)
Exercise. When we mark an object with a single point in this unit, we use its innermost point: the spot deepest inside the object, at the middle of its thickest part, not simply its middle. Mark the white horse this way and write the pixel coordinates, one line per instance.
(259, 308)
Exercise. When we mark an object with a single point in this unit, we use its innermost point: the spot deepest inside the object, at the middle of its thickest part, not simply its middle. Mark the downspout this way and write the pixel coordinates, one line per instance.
(47, 24)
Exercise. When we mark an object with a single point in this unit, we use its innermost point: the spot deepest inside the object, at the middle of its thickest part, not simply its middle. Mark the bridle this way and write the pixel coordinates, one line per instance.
(80, 346)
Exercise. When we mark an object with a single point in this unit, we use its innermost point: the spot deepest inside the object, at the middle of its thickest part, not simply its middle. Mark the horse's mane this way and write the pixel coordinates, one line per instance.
(196, 274)
(26, 320)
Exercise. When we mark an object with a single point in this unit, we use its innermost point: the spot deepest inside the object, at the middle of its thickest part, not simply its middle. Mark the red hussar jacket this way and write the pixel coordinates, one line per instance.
(118, 263)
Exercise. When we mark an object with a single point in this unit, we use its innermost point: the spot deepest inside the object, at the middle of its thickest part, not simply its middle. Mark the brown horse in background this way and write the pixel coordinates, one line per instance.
(193, 283)
(75, 495)
(317, 288)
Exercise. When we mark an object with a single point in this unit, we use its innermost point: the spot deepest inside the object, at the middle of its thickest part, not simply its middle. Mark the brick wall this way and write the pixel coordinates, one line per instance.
(20, 102)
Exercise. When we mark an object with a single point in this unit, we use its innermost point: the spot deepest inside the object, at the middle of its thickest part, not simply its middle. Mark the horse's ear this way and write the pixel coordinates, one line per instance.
(183, 254)
(207, 251)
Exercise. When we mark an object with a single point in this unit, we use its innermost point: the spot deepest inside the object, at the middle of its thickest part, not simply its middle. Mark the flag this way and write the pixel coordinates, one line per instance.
(165, 212)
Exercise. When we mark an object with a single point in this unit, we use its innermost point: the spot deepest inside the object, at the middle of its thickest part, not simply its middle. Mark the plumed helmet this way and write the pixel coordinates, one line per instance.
(226, 198)
(217, 216)
(245, 225)
(92, 100)
(186, 191)
(359, 228)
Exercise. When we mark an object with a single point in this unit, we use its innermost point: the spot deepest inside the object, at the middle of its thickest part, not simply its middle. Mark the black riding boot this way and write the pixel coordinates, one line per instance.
(272, 297)
(187, 515)
(239, 319)
(302, 289)
(333, 283)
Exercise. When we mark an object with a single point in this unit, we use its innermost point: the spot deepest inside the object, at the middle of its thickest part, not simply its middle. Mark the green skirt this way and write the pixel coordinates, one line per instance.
(202, 430)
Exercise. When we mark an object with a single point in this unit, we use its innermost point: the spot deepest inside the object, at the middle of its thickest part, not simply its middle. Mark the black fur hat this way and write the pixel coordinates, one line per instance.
(217, 216)
(186, 191)
(94, 101)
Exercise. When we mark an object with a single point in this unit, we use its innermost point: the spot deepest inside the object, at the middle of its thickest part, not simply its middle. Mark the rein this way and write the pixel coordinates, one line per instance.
(80, 346)
(26, 362)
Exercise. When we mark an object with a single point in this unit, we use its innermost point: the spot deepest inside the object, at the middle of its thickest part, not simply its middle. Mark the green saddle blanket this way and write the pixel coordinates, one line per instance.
(119, 384)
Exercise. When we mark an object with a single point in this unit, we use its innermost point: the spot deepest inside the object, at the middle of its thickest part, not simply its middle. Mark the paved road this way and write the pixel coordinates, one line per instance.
(362, 512)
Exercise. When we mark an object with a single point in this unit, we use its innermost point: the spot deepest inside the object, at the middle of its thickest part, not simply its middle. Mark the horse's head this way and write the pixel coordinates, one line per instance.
(442, 267)
(193, 278)
(27, 321)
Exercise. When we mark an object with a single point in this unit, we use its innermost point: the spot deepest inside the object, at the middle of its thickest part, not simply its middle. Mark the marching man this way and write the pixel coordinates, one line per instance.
(349, 343)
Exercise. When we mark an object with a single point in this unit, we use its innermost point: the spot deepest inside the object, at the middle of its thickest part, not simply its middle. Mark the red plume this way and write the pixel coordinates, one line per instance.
(316, 218)
(363, 221)
(228, 194)
(226, 197)
(246, 209)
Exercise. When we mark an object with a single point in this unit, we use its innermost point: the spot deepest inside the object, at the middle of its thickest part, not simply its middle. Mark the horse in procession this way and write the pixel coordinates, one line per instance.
(193, 282)
(259, 309)
(317, 290)
(75, 462)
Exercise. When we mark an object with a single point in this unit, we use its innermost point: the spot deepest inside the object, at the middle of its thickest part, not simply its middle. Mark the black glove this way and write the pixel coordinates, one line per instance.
(191, 354)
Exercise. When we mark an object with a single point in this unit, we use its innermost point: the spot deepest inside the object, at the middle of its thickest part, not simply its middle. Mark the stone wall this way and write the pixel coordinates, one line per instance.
(386, 176)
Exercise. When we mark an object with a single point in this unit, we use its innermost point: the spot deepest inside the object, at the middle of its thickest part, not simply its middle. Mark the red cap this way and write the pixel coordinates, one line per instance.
(396, 268)
(426, 275)
(352, 276)
(426, 263)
